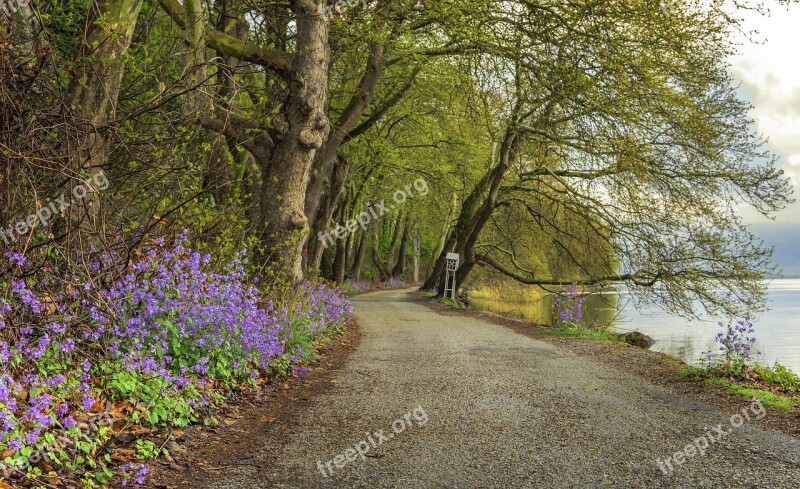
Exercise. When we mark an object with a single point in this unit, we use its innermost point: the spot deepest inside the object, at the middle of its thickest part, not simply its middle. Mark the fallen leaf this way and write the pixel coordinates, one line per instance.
(123, 454)
(266, 419)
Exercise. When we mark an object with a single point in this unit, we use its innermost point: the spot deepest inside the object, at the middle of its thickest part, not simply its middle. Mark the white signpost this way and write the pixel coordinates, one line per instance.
(453, 260)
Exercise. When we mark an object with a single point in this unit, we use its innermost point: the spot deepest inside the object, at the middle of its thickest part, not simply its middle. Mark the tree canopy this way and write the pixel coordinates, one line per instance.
(588, 142)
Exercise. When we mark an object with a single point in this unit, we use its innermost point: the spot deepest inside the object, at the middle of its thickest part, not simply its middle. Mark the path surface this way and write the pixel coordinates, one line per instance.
(505, 411)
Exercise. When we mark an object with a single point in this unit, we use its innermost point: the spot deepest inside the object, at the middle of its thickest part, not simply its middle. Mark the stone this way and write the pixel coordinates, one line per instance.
(636, 338)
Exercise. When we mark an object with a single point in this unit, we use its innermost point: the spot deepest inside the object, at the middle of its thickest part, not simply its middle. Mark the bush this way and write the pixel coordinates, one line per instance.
(159, 345)
(779, 375)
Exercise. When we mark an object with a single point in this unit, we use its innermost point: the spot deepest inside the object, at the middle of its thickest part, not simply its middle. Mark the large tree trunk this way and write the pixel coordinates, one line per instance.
(340, 261)
(400, 267)
(415, 262)
(300, 130)
(96, 89)
(474, 214)
(358, 264)
(95, 93)
(285, 152)
(322, 176)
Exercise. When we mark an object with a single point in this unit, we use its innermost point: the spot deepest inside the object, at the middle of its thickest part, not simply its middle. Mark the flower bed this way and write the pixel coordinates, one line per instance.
(158, 347)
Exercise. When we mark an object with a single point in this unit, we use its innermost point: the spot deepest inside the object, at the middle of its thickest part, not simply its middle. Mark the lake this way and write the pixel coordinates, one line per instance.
(777, 330)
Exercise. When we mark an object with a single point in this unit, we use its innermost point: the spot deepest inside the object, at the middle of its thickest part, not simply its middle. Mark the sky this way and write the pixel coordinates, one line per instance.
(770, 79)
(769, 75)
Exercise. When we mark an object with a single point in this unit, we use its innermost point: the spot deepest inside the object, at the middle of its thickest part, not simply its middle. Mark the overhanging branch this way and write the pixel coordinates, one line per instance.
(273, 59)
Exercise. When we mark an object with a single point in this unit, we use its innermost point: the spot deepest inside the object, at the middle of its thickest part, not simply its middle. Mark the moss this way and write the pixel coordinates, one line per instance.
(450, 303)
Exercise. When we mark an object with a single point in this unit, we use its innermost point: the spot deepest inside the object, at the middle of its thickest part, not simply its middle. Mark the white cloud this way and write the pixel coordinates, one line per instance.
(770, 79)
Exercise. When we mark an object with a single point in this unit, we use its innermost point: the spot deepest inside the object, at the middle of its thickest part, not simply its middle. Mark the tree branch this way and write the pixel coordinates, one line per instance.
(273, 59)
(378, 114)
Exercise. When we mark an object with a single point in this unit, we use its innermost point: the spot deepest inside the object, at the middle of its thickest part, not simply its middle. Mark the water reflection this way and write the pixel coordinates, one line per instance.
(777, 331)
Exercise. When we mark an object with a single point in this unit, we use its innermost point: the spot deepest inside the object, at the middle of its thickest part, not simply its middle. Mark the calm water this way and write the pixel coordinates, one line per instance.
(777, 330)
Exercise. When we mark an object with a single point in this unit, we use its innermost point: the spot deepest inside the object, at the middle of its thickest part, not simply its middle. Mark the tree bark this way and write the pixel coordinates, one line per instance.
(95, 91)
(326, 210)
(416, 255)
(301, 128)
(322, 181)
(285, 152)
(400, 266)
(358, 264)
(399, 226)
(445, 234)
(475, 212)
(340, 261)
(376, 252)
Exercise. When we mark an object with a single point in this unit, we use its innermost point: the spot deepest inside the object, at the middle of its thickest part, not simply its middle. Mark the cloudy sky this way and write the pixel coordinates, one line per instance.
(770, 76)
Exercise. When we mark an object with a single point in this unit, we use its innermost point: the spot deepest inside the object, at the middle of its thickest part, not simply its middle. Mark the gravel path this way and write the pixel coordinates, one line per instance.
(482, 406)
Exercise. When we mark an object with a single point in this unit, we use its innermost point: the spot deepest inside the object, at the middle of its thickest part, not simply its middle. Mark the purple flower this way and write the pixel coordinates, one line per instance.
(16, 258)
(15, 444)
(88, 401)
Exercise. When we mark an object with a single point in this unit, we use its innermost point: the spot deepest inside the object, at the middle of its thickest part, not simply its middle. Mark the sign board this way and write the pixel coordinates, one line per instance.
(450, 288)
(453, 260)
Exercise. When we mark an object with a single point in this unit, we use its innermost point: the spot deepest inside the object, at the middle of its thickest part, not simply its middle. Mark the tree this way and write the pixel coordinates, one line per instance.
(622, 118)
(284, 146)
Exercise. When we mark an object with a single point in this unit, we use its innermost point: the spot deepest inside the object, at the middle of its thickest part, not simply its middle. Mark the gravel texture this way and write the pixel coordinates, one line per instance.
(503, 410)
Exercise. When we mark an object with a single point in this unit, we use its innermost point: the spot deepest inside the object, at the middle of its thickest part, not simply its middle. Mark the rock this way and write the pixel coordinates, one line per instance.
(464, 298)
(636, 338)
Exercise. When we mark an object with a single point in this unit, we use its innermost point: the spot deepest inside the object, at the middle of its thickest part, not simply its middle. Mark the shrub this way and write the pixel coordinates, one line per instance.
(159, 345)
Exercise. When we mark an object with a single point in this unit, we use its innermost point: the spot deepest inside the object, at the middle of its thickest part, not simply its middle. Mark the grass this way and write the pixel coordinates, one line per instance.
(450, 303)
(575, 332)
(776, 387)
(767, 398)
(693, 373)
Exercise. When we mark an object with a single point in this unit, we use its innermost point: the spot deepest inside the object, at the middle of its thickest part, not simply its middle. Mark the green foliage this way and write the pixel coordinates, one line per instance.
(147, 449)
(779, 375)
(767, 398)
(575, 331)
(759, 382)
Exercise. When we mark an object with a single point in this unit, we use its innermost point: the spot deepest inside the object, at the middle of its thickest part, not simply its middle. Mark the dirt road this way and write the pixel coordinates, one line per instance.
(435, 401)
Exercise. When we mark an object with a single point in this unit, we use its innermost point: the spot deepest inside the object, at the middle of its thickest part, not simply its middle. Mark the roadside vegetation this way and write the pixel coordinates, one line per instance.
(183, 180)
(734, 368)
(91, 360)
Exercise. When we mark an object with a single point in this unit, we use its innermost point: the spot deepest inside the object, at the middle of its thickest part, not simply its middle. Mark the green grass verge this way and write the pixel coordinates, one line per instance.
(591, 334)
(450, 303)
(767, 398)
(777, 376)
